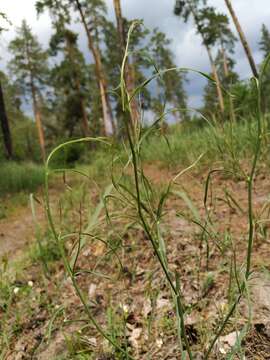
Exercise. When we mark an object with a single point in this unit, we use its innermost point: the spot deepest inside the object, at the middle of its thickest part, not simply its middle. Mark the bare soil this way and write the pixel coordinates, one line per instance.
(18, 231)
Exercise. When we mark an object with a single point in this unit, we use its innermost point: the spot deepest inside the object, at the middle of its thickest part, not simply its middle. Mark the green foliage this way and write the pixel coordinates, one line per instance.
(228, 81)
(45, 250)
(215, 28)
(265, 41)
(68, 156)
(29, 61)
(265, 48)
(17, 177)
(3, 19)
(70, 79)
(170, 85)
(243, 98)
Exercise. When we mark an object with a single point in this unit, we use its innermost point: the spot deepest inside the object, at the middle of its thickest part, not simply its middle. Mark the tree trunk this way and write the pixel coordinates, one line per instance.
(217, 80)
(38, 121)
(5, 126)
(128, 69)
(242, 38)
(227, 73)
(108, 121)
(106, 108)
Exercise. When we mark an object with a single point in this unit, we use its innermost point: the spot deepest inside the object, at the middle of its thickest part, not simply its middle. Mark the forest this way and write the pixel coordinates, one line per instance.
(133, 223)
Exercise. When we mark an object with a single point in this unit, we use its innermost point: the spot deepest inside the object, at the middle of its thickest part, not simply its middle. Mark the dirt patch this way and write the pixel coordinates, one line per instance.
(18, 231)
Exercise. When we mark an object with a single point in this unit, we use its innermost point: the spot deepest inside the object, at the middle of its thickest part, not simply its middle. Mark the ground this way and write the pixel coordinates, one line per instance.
(126, 291)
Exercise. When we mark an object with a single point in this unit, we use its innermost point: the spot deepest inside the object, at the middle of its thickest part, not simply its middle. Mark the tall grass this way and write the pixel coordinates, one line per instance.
(184, 143)
(15, 177)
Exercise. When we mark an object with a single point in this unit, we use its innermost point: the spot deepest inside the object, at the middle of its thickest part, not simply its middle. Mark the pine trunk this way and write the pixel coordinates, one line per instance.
(5, 126)
(217, 80)
(242, 38)
(38, 121)
(129, 78)
(102, 82)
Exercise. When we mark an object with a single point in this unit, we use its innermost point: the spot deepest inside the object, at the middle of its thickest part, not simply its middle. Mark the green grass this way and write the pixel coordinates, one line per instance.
(184, 143)
(16, 177)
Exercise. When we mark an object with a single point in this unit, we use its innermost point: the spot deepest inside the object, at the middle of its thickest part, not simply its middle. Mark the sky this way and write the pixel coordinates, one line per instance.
(186, 44)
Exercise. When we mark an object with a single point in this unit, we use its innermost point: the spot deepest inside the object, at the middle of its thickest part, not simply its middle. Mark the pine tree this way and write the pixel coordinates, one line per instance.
(70, 74)
(193, 8)
(30, 69)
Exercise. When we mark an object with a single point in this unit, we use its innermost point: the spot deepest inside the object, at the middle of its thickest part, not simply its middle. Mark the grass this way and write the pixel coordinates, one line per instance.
(16, 177)
(185, 142)
(182, 145)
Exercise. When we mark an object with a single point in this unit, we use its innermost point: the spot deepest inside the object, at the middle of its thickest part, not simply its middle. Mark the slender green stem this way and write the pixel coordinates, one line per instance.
(250, 181)
(135, 152)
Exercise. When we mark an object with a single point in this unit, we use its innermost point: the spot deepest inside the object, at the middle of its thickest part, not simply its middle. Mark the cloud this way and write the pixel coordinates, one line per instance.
(186, 44)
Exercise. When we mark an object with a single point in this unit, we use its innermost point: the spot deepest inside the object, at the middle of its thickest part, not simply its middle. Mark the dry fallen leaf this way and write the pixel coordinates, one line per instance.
(147, 308)
(92, 291)
(225, 343)
(134, 337)
(162, 303)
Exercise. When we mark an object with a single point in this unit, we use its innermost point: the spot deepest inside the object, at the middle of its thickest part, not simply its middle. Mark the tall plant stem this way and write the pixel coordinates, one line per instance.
(135, 153)
(250, 180)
